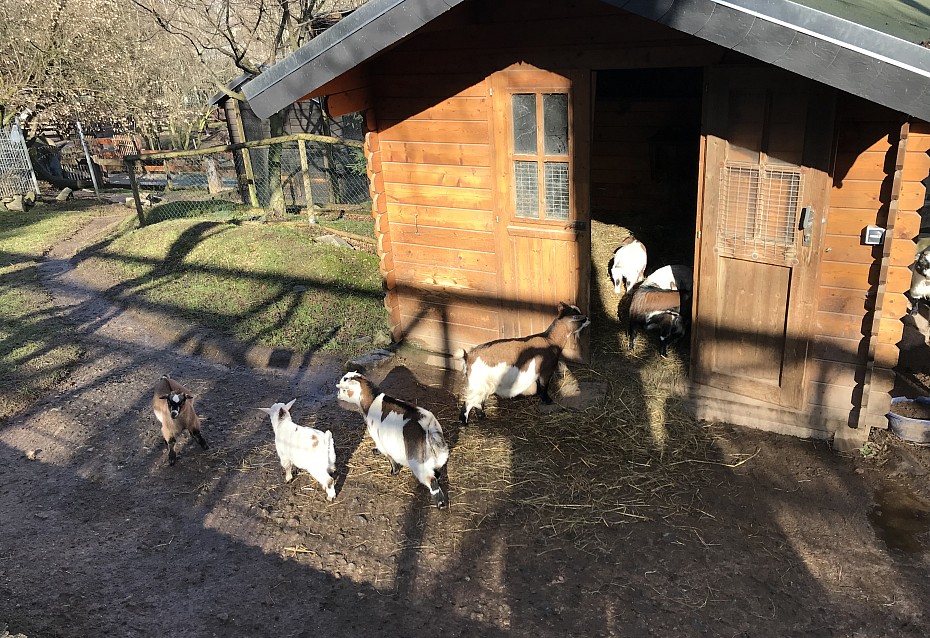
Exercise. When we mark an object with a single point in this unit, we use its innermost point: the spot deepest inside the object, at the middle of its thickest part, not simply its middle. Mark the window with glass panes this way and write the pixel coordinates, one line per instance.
(540, 155)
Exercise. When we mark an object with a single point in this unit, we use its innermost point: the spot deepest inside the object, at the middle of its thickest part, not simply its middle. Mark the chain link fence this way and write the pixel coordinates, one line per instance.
(299, 175)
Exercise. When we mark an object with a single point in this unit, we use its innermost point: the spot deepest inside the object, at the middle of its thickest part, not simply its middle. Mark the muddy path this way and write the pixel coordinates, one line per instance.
(98, 536)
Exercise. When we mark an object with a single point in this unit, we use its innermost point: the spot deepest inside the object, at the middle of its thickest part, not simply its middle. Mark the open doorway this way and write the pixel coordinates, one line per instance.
(644, 180)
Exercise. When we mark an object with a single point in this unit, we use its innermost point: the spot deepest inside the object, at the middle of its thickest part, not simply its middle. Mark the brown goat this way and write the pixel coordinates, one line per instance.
(173, 405)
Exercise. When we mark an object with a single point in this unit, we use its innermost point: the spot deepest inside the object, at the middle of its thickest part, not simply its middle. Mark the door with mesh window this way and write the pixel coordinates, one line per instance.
(768, 138)
(541, 144)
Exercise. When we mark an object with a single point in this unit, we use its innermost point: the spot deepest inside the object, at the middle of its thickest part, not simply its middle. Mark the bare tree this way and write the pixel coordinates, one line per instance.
(96, 60)
(252, 34)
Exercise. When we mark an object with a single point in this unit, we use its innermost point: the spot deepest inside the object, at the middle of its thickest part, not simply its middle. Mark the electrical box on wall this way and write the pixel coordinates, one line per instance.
(873, 235)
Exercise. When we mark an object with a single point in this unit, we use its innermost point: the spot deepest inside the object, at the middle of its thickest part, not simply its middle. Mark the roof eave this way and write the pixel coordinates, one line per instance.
(848, 56)
(874, 65)
(370, 29)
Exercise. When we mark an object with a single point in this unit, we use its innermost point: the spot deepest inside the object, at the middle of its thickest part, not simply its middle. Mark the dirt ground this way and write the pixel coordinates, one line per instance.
(98, 536)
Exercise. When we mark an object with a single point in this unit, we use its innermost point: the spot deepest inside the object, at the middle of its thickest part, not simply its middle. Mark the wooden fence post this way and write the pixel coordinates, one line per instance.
(131, 169)
(305, 172)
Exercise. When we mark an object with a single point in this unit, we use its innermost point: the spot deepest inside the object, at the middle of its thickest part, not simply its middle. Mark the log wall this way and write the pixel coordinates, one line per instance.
(867, 149)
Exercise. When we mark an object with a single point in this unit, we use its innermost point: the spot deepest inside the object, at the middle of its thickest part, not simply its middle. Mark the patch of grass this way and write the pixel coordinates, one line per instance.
(217, 209)
(259, 283)
(35, 354)
(356, 226)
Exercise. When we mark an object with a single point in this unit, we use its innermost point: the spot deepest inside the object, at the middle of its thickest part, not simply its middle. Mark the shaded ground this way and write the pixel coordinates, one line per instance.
(764, 536)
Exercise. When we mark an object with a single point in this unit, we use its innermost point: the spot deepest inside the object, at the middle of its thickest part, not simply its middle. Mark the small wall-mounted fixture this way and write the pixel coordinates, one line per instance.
(873, 235)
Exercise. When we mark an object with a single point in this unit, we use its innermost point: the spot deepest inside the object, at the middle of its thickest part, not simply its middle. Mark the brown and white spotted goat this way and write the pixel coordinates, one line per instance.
(525, 365)
(407, 435)
(173, 405)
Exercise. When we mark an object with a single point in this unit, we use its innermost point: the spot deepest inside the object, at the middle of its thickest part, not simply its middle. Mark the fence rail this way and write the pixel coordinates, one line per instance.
(292, 174)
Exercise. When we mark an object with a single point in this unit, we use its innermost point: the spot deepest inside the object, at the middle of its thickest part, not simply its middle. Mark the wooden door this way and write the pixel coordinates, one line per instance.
(768, 144)
(541, 137)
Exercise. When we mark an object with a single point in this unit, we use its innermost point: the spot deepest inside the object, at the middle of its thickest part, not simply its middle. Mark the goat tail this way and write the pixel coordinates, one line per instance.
(459, 355)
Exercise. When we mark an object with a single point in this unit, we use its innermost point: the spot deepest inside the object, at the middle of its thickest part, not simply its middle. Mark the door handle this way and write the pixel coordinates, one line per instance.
(807, 224)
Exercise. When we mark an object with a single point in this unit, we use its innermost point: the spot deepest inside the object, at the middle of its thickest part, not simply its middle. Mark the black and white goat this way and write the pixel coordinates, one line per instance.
(302, 447)
(173, 405)
(920, 282)
(407, 435)
(524, 365)
(628, 265)
(658, 310)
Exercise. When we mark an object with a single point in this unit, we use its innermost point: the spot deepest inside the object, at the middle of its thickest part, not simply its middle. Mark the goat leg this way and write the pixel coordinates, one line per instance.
(463, 414)
(439, 497)
(172, 455)
(199, 438)
(543, 392)
(395, 467)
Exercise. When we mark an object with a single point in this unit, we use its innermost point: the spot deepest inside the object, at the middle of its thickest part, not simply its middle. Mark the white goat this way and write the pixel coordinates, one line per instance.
(303, 448)
(920, 282)
(628, 265)
(173, 405)
(407, 435)
(511, 367)
(674, 277)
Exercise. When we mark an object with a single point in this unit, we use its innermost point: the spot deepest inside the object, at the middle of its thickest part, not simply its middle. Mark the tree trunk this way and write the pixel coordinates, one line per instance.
(276, 207)
(214, 182)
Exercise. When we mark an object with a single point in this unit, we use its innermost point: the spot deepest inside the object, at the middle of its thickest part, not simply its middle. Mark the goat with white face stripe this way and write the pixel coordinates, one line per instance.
(407, 435)
(525, 365)
(173, 405)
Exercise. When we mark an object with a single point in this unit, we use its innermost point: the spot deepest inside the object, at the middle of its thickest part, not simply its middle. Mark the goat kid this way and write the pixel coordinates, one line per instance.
(525, 365)
(628, 265)
(173, 405)
(303, 448)
(657, 310)
(409, 436)
(920, 282)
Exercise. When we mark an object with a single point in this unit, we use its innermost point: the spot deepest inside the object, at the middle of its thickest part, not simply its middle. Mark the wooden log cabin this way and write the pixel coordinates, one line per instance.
(757, 141)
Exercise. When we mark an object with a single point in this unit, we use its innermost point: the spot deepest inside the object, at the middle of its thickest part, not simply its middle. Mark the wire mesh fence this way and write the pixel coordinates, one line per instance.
(16, 176)
(276, 178)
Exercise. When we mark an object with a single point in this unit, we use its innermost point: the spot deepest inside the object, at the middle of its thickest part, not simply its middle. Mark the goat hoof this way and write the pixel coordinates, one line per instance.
(479, 413)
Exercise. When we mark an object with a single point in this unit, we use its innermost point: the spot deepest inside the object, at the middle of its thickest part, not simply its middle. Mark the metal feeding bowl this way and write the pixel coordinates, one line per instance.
(907, 428)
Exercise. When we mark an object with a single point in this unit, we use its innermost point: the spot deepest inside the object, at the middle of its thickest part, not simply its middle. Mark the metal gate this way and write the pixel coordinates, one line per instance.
(16, 176)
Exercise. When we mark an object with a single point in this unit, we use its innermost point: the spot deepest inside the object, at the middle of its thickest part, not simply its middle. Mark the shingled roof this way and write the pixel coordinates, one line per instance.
(870, 48)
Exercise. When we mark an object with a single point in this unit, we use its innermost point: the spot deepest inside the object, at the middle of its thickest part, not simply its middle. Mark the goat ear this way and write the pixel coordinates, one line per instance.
(562, 306)
(164, 396)
(288, 406)
(265, 410)
(188, 395)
